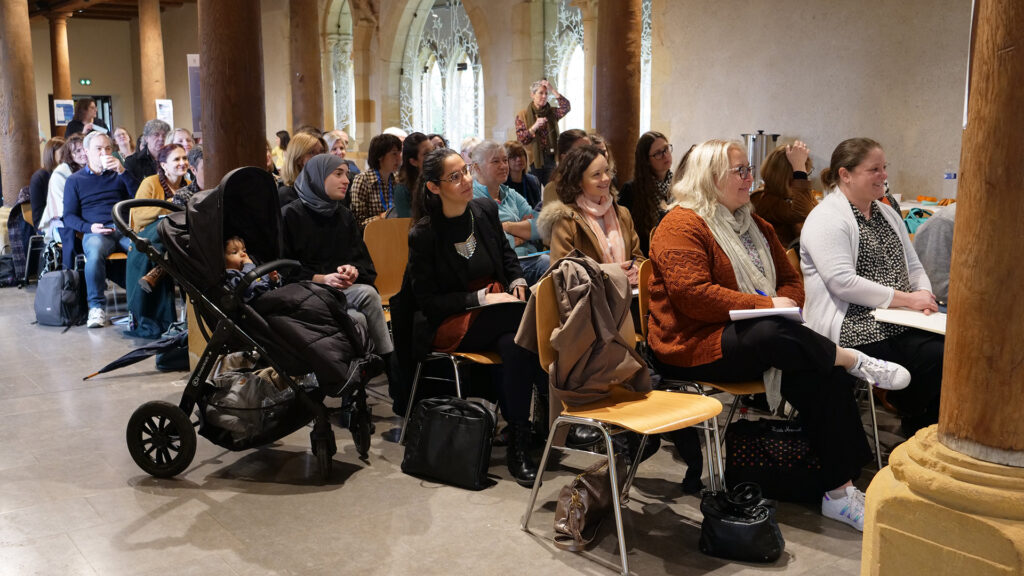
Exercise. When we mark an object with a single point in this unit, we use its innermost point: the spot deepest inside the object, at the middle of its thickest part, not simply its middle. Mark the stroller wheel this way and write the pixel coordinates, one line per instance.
(325, 459)
(361, 428)
(161, 439)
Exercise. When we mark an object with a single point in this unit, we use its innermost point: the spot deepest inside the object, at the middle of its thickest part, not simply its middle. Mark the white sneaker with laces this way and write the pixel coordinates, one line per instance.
(848, 509)
(880, 373)
(97, 318)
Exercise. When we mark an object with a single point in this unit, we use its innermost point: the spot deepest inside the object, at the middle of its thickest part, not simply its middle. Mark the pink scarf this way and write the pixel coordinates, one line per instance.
(612, 246)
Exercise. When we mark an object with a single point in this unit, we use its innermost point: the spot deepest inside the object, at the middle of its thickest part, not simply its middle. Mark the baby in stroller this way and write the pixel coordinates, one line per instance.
(237, 264)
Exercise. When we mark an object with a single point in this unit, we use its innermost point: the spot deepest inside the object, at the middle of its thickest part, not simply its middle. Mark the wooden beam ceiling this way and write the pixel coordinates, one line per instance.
(94, 9)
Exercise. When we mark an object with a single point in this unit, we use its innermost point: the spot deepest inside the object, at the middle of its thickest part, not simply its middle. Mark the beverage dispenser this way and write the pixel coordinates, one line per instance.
(758, 147)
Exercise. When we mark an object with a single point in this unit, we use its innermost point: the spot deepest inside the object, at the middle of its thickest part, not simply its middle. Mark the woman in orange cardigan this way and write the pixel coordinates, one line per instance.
(711, 254)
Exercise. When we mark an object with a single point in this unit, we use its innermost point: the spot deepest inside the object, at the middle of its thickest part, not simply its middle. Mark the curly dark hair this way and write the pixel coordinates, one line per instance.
(568, 176)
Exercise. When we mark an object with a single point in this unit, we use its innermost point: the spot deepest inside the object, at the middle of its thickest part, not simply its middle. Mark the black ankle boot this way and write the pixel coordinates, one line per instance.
(520, 465)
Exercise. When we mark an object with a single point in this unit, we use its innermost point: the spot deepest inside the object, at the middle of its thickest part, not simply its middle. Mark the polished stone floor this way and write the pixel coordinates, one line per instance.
(72, 501)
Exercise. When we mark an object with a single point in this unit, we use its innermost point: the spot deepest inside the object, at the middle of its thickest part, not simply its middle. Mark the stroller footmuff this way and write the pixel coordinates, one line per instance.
(300, 343)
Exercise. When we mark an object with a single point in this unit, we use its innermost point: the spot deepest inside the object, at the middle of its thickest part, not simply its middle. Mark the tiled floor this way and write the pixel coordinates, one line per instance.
(72, 501)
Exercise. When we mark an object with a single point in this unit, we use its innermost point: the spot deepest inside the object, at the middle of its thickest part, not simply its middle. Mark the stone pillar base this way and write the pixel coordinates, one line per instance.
(934, 511)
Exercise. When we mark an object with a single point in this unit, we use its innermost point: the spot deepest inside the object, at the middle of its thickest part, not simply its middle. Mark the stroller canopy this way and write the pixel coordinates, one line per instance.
(244, 204)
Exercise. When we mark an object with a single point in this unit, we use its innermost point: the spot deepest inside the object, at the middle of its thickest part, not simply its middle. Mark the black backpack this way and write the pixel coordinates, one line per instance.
(60, 298)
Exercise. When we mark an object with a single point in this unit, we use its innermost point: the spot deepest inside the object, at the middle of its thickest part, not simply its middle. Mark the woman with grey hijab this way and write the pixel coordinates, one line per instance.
(321, 233)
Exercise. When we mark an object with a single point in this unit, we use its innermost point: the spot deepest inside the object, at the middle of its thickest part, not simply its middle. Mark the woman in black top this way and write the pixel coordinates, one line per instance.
(459, 260)
(647, 195)
(85, 120)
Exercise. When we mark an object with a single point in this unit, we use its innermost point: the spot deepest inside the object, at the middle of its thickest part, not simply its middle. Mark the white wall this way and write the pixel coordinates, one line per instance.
(820, 72)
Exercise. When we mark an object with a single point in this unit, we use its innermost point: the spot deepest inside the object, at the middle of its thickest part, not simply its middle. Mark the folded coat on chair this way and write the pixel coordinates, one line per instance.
(594, 340)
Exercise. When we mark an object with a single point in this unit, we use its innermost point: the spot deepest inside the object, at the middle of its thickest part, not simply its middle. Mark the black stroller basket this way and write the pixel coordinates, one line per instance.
(162, 436)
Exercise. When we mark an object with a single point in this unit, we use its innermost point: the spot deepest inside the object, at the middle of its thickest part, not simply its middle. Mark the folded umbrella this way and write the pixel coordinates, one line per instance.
(142, 352)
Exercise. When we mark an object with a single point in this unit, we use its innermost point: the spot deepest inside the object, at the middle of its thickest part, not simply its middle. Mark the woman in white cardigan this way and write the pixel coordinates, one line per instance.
(856, 256)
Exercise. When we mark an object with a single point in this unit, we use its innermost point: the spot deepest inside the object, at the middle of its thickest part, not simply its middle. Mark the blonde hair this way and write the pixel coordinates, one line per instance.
(707, 163)
(300, 145)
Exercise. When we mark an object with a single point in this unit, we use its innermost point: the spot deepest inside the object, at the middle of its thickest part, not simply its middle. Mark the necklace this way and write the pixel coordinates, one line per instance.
(467, 248)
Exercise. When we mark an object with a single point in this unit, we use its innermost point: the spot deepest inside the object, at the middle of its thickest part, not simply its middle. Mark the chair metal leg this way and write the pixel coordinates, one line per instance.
(709, 453)
(732, 412)
(718, 453)
(632, 470)
(616, 503)
(458, 381)
(540, 471)
(874, 426)
(408, 405)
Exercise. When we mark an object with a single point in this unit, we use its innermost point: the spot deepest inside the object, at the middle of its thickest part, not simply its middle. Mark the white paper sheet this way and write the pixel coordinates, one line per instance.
(934, 322)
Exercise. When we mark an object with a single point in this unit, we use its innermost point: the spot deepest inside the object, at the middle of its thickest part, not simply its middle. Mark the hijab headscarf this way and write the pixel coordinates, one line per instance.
(310, 184)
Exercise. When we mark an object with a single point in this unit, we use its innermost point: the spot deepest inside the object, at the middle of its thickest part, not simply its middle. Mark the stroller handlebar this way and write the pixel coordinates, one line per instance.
(263, 270)
(122, 208)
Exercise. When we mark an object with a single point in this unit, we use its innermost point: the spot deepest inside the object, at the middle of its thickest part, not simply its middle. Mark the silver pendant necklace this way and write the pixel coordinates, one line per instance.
(467, 248)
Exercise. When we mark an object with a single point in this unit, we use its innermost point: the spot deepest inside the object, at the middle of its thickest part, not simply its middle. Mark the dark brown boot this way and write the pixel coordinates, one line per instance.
(151, 279)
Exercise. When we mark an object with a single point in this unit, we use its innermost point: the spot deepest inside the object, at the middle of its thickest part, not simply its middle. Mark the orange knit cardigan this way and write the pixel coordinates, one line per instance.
(693, 287)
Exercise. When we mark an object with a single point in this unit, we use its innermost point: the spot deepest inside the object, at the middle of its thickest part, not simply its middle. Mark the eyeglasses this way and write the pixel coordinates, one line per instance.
(455, 176)
(660, 154)
(743, 171)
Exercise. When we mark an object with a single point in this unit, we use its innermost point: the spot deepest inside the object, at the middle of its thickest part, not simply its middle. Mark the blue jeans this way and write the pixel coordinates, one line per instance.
(535, 268)
(364, 300)
(97, 247)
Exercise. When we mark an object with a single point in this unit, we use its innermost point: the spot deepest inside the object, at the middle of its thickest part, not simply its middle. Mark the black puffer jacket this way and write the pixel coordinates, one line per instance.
(307, 328)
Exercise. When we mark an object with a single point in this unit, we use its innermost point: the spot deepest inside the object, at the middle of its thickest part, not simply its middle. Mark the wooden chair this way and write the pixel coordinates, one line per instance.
(655, 412)
(387, 240)
(737, 389)
(457, 359)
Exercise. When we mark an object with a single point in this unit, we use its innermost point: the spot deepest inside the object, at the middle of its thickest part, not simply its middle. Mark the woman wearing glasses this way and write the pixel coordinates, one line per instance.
(785, 198)
(856, 256)
(587, 217)
(465, 279)
(647, 195)
(711, 254)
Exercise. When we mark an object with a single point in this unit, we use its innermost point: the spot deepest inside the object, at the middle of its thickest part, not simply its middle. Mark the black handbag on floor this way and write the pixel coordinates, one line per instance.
(740, 525)
(449, 441)
(776, 455)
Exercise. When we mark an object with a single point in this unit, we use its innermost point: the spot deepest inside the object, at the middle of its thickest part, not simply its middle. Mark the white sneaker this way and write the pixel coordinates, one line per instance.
(97, 318)
(848, 509)
(880, 373)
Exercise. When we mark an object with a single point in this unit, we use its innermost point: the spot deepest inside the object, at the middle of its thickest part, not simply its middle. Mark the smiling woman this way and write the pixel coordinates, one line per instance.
(587, 217)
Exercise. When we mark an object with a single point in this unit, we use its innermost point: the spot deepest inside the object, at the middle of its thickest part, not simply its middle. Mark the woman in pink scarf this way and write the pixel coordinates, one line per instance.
(587, 217)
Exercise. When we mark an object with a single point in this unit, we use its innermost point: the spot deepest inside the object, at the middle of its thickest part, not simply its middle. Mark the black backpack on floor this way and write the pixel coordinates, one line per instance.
(60, 298)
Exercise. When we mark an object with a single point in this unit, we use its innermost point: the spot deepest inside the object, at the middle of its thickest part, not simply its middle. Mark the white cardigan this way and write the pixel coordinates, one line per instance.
(828, 259)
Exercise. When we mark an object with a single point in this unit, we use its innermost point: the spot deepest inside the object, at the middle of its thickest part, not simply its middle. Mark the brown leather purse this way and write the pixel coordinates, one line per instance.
(584, 503)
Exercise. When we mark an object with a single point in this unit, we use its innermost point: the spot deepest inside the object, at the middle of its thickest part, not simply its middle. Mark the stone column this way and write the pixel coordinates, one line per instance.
(19, 135)
(59, 60)
(328, 45)
(617, 106)
(307, 91)
(151, 54)
(952, 498)
(341, 67)
(588, 13)
(362, 68)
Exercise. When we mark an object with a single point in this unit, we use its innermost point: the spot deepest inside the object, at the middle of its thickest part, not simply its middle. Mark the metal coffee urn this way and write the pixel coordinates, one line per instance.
(758, 147)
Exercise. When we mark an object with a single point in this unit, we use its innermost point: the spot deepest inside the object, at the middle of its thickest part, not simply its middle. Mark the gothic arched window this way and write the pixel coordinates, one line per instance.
(442, 82)
(564, 61)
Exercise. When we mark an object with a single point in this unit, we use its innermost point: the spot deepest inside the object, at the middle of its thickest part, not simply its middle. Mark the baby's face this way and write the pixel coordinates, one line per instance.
(234, 255)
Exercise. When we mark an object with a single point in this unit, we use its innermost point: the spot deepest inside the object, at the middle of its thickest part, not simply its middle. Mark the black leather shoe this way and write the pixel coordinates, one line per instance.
(520, 465)
(582, 436)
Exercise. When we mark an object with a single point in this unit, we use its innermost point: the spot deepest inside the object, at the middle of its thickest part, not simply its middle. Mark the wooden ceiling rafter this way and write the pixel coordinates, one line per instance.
(95, 9)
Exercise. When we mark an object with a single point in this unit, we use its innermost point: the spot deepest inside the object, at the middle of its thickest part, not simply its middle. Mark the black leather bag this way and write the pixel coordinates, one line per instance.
(449, 441)
(740, 525)
(775, 454)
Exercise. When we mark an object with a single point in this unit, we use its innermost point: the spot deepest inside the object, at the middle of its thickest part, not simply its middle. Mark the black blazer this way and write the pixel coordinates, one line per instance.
(322, 243)
(436, 284)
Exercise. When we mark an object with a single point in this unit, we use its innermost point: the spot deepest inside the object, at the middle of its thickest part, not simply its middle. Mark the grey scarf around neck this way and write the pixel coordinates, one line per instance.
(310, 184)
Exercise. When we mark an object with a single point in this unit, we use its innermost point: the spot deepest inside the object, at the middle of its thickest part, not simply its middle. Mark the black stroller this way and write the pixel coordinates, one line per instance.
(273, 331)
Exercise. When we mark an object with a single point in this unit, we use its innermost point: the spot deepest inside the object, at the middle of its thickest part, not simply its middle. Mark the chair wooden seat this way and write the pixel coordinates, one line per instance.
(387, 241)
(655, 412)
(117, 256)
(736, 388)
(479, 357)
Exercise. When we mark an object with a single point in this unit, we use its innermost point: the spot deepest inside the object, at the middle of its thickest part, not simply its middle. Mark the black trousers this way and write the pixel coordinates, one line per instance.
(821, 391)
(921, 354)
(494, 330)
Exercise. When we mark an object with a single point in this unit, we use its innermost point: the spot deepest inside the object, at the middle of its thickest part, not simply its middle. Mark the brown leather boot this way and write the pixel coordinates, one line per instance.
(151, 279)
